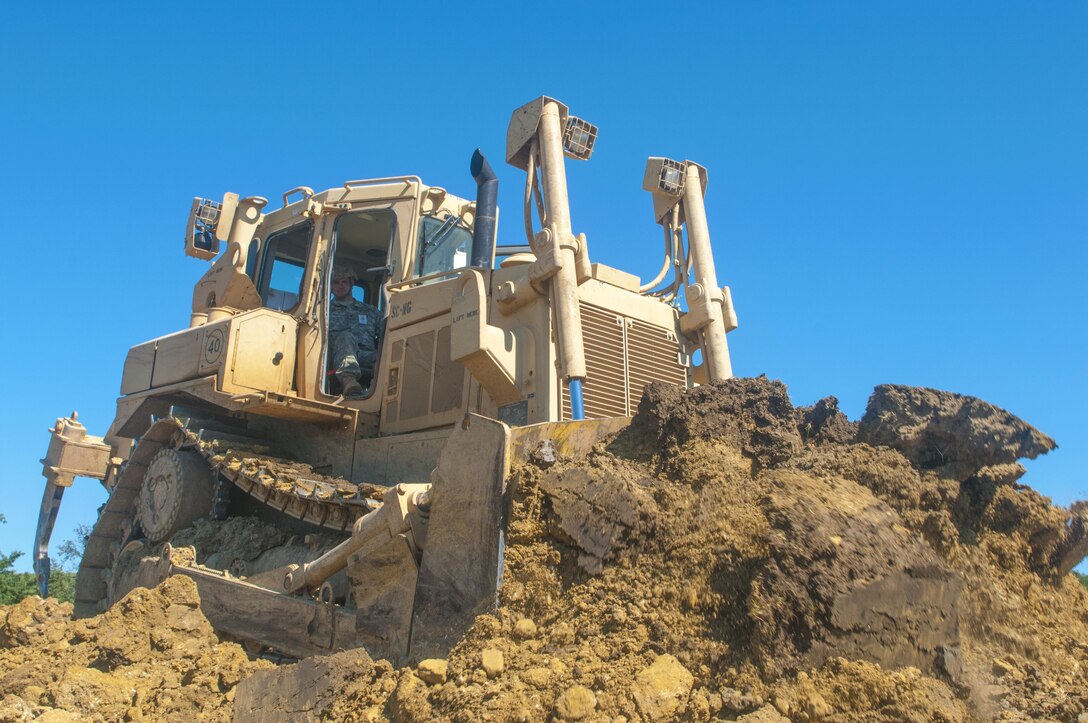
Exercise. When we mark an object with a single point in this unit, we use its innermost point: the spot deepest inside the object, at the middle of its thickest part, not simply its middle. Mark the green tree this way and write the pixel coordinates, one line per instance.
(70, 552)
(1083, 579)
(14, 586)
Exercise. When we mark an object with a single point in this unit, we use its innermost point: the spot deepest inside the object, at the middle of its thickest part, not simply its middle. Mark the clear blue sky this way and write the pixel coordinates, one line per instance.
(898, 191)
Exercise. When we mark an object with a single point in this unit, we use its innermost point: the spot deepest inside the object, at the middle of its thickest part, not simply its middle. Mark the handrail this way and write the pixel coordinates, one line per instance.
(306, 192)
(408, 180)
(428, 277)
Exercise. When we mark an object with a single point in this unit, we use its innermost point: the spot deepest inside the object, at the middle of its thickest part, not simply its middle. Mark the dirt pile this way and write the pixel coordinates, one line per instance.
(153, 656)
(730, 556)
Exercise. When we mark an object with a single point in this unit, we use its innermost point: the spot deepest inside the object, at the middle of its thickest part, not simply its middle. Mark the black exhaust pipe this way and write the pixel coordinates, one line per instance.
(487, 210)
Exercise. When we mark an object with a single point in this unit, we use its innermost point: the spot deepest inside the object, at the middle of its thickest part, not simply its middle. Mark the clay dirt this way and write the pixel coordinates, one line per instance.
(727, 556)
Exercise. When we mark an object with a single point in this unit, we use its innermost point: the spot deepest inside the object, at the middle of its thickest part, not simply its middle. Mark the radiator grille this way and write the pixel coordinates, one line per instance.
(623, 355)
(653, 355)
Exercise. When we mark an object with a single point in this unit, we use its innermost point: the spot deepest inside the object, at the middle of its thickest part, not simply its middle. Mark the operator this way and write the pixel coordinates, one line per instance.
(353, 334)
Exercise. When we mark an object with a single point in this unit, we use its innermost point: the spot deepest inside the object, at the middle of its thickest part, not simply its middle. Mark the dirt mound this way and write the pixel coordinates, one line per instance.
(731, 556)
(153, 656)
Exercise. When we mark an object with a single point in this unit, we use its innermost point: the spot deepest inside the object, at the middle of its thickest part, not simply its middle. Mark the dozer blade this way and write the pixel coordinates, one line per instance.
(460, 569)
(462, 561)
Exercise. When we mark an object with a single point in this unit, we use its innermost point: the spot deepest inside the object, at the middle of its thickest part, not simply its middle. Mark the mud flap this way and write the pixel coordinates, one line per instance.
(461, 566)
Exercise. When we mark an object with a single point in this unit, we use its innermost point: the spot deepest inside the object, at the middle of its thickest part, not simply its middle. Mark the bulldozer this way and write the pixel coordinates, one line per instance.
(485, 353)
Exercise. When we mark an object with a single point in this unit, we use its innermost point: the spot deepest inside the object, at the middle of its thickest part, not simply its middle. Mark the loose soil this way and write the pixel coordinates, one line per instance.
(727, 556)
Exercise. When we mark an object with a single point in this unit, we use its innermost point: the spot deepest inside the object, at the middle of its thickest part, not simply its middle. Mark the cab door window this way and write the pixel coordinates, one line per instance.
(362, 241)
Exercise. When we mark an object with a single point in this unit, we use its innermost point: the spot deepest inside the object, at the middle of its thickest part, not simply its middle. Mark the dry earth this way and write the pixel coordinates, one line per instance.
(728, 556)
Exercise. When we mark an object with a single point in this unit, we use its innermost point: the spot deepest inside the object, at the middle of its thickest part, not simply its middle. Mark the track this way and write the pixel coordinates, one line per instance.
(240, 463)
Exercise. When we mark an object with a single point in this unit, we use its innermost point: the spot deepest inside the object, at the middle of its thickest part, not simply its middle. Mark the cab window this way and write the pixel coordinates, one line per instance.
(444, 245)
(284, 265)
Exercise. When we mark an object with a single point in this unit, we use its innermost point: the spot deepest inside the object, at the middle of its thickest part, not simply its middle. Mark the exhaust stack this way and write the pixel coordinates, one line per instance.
(487, 211)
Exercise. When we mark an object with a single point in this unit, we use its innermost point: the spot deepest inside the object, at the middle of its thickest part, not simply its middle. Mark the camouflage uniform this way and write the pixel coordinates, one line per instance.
(353, 329)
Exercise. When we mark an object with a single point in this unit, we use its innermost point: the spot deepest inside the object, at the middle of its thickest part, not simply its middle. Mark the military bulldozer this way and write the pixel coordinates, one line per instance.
(477, 363)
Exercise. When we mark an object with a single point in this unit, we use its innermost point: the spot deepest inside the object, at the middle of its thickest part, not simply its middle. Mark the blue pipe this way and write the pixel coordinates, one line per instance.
(577, 406)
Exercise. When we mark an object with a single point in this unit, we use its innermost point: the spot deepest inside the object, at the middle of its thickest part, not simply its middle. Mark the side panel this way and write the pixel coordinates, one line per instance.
(530, 321)
(177, 356)
(423, 387)
(262, 353)
(253, 351)
(138, 365)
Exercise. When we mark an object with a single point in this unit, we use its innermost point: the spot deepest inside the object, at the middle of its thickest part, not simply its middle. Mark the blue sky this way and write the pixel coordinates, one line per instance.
(898, 191)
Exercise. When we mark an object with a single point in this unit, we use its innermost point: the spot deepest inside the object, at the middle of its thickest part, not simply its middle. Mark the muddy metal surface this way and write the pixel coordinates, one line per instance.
(728, 556)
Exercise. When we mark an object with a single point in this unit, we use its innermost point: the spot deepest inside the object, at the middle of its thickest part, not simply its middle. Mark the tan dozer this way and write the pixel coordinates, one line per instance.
(477, 366)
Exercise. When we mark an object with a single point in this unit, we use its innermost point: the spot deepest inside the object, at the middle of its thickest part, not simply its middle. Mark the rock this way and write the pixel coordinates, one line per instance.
(935, 429)
(184, 617)
(576, 703)
(1074, 545)
(91, 690)
(823, 422)
(409, 699)
(660, 688)
(432, 670)
(525, 629)
(15, 708)
(306, 690)
(180, 590)
(766, 714)
(699, 708)
(32, 621)
(544, 455)
(596, 511)
(537, 677)
(492, 662)
(734, 701)
(815, 707)
(562, 634)
(1002, 668)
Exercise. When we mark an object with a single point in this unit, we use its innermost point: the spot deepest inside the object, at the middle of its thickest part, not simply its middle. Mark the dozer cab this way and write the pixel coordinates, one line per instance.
(477, 364)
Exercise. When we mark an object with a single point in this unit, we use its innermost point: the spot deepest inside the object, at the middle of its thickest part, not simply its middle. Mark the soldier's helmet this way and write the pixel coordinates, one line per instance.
(343, 271)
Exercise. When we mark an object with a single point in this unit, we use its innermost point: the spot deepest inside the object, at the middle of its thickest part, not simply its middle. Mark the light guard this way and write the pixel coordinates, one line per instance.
(200, 238)
(664, 179)
(579, 137)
